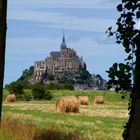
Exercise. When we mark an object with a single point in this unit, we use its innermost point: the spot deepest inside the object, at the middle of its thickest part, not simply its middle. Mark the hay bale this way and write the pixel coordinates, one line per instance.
(10, 98)
(98, 100)
(67, 104)
(83, 100)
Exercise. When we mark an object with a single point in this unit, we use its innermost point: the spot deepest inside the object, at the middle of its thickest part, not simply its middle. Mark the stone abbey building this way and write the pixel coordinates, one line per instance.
(58, 62)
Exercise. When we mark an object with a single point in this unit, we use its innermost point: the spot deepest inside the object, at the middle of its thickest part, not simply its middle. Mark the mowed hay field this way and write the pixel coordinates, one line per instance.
(94, 122)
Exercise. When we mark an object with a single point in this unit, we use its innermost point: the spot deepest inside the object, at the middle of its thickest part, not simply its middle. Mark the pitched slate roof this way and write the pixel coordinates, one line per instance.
(55, 54)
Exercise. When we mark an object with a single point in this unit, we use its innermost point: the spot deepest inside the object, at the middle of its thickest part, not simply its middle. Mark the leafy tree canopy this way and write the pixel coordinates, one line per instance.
(15, 87)
(27, 73)
(127, 76)
(126, 34)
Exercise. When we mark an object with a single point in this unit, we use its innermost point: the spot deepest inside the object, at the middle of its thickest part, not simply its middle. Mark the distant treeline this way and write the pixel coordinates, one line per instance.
(14, 86)
(39, 91)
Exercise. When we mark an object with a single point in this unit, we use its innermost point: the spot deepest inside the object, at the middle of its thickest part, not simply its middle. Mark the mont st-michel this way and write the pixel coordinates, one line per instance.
(59, 62)
(66, 66)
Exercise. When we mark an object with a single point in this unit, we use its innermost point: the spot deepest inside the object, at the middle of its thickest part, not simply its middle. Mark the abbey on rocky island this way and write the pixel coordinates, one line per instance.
(58, 62)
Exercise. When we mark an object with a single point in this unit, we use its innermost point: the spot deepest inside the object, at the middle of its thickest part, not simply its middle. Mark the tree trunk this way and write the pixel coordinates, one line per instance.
(3, 26)
(137, 68)
(134, 120)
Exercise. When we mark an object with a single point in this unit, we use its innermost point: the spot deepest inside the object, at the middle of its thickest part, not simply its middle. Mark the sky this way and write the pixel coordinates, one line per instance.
(35, 28)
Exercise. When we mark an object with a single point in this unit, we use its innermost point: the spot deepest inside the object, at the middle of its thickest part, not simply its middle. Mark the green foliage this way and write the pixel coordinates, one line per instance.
(27, 78)
(27, 97)
(127, 76)
(19, 97)
(120, 75)
(18, 88)
(47, 95)
(80, 76)
(52, 86)
(119, 7)
(84, 74)
(58, 86)
(127, 35)
(66, 77)
(15, 87)
(67, 86)
(38, 91)
(27, 74)
(24, 84)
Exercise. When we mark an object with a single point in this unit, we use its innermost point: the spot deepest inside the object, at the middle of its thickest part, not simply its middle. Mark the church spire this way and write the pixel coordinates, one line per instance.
(63, 40)
(63, 44)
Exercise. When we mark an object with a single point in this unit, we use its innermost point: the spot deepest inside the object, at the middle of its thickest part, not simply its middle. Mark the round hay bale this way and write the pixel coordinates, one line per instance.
(10, 98)
(67, 104)
(83, 100)
(98, 100)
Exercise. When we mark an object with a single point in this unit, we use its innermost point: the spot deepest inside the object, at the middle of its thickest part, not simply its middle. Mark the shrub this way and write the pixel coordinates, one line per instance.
(19, 97)
(15, 87)
(53, 86)
(27, 97)
(68, 86)
(38, 91)
(47, 95)
(59, 86)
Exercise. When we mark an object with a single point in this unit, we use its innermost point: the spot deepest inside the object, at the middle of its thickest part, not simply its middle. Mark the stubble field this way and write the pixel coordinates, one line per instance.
(94, 122)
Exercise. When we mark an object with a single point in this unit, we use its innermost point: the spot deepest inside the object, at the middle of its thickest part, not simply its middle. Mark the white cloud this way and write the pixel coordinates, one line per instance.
(31, 46)
(85, 46)
(64, 3)
(98, 57)
(63, 21)
(20, 10)
(90, 47)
